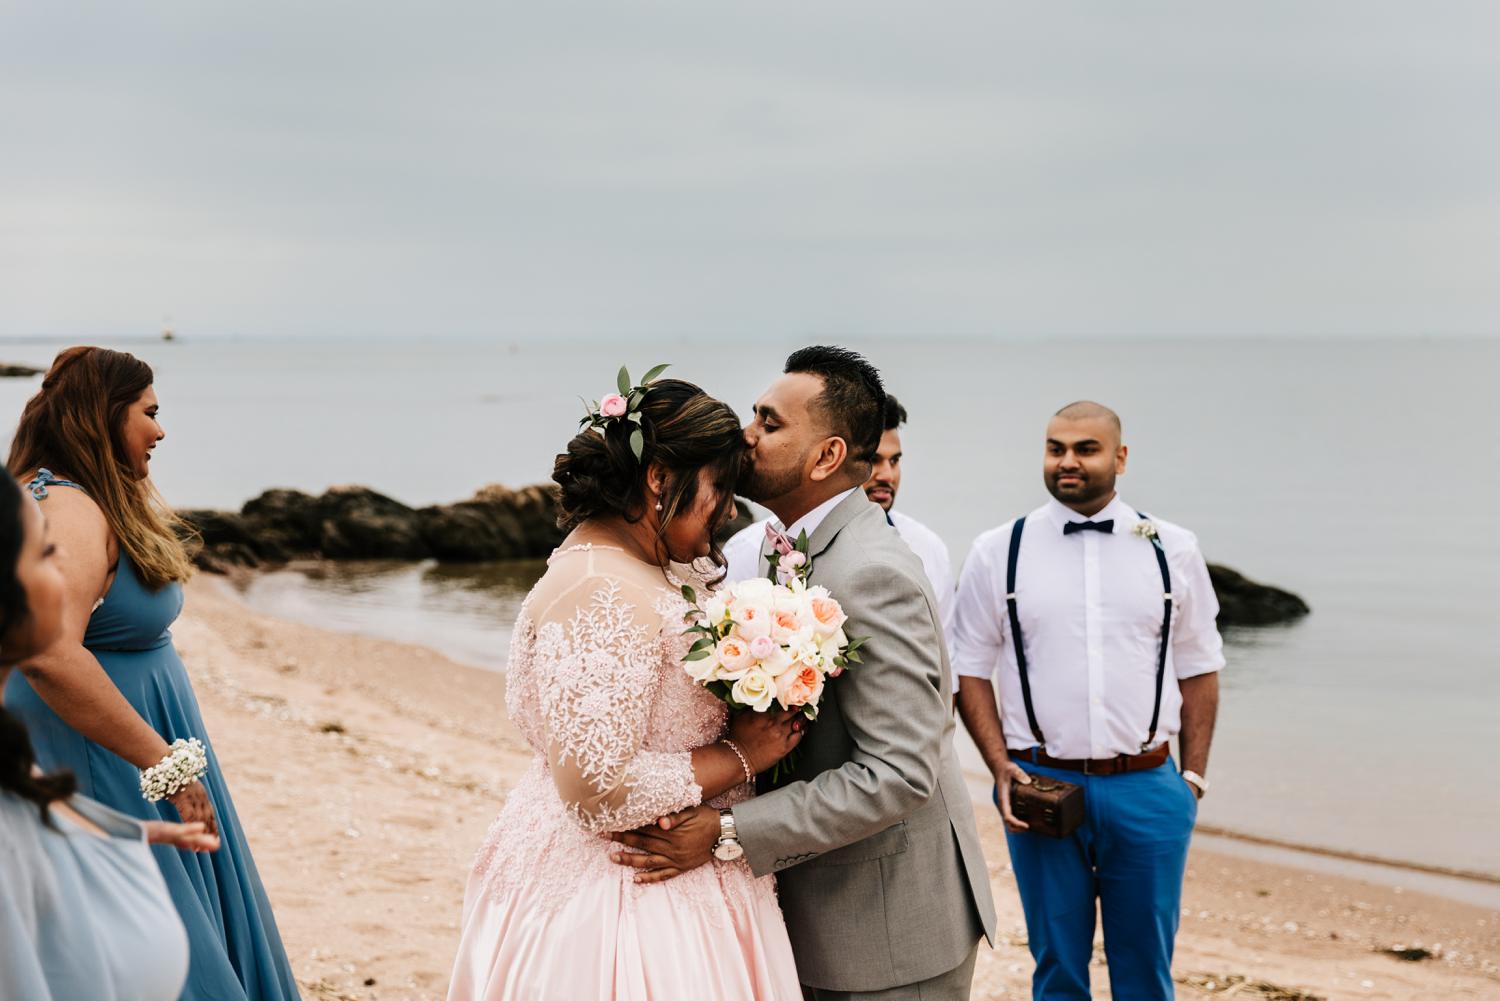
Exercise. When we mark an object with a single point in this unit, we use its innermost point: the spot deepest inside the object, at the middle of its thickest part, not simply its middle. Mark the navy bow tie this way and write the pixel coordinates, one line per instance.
(1107, 527)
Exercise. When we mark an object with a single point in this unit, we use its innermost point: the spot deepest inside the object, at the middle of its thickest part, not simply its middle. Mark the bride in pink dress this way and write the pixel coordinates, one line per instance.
(621, 737)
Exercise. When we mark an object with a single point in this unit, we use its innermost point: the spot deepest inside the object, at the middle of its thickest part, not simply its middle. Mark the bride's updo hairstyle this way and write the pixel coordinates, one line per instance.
(684, 430)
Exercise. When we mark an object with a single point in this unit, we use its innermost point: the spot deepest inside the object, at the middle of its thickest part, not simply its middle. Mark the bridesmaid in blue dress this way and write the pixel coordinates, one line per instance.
(109, 699)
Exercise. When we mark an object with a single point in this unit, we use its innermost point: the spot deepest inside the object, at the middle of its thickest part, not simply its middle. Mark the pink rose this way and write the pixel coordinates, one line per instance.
(763, 648)
(613, 405)
(795, 559)
(799, 686)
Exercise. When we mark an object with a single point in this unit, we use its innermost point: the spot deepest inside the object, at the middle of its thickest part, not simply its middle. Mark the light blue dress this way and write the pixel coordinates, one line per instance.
(84, 918)
(237, 953)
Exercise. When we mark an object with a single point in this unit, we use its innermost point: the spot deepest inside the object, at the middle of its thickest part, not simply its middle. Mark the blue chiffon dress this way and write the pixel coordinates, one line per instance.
(235, 951)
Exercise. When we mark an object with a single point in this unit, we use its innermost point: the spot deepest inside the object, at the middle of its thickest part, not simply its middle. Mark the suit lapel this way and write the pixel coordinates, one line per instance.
(847, 510)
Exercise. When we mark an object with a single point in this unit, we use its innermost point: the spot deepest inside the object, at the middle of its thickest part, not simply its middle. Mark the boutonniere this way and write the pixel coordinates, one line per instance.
(1146, 529)
(789, 560)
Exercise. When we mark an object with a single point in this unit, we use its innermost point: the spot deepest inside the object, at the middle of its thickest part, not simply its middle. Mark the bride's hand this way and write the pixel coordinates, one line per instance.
(766, 737)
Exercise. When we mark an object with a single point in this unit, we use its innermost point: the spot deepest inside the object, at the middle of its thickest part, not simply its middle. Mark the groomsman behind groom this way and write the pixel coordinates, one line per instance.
(882, 487)
(1097, 624)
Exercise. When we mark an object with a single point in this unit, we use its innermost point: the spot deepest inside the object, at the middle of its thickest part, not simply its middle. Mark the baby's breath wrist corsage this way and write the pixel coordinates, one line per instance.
(185, 763)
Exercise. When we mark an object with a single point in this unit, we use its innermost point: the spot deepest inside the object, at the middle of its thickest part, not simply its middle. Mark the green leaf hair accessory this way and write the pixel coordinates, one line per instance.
(624, 405)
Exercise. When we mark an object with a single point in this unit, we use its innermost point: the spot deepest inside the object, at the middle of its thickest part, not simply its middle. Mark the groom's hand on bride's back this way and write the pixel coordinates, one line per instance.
(675, 844)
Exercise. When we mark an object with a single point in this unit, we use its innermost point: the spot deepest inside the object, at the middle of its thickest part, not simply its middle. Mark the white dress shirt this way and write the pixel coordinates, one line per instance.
(742, 551)
(934, 556)
(1090, 606)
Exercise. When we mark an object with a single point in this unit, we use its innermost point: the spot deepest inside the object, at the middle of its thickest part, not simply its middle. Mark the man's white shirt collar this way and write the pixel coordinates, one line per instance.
(810, 521)
(1123, 514)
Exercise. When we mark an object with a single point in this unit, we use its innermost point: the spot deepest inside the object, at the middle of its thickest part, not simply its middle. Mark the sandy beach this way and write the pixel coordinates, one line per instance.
(366, 773)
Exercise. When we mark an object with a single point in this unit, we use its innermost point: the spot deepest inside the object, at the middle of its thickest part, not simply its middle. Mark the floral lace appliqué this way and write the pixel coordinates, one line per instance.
(600, 695)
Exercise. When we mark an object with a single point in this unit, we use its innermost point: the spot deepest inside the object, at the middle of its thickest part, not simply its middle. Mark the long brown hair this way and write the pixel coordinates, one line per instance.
(17, 759)
(73, 427)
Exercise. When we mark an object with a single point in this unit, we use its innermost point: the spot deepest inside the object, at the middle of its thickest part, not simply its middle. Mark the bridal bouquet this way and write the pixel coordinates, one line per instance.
(762, 644)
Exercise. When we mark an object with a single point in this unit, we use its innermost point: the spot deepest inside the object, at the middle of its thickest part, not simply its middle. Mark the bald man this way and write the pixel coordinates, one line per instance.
(1096, 624)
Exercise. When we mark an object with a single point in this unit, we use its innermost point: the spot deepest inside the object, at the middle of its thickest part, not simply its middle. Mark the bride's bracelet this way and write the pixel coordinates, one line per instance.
(185, 763)
(744, 761)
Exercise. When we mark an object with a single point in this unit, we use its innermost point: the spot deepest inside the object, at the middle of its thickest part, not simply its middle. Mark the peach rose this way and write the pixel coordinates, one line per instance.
(799, 686)
(828, 616)
(752, 620)
(786, 624)
(734, 658)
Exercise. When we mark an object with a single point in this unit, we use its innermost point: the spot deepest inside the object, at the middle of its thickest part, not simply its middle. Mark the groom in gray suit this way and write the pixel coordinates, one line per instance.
(879, 869)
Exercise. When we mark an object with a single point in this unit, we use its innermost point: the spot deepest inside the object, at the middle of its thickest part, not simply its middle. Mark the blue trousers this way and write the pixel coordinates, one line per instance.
(1129, 856)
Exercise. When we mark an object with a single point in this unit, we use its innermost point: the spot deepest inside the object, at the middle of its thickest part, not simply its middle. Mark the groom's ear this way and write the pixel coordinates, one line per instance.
(830, 459)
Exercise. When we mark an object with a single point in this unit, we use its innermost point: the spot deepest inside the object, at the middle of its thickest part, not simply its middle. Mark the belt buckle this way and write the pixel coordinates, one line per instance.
(1087, 762)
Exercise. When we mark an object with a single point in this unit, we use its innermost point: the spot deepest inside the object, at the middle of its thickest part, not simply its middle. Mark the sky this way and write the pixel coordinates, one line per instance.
(685, 169)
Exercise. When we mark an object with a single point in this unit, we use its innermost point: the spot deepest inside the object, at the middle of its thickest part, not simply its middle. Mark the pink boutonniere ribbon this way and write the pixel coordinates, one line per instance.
(779, 540)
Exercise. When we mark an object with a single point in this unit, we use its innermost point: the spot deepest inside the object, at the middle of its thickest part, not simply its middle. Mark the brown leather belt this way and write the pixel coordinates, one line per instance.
(1117, 765)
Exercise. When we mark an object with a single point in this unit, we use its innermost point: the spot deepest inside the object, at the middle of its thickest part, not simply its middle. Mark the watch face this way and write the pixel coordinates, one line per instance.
(728, 851)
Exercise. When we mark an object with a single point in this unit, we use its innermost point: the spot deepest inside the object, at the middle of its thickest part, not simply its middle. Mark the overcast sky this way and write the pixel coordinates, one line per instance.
(785, 169)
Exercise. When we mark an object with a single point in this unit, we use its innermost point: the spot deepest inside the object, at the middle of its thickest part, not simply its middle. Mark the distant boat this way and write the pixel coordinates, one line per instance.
(167, 334)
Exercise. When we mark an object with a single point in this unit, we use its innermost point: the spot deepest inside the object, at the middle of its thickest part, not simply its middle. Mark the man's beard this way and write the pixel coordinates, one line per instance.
(1087, 492)
(763, 485)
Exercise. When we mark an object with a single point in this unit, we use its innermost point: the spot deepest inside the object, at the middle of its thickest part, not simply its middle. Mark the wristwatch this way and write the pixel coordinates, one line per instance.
(1193, 778)
(727, 848)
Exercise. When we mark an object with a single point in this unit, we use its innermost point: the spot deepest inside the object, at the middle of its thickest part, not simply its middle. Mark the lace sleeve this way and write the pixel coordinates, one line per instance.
(602, 669)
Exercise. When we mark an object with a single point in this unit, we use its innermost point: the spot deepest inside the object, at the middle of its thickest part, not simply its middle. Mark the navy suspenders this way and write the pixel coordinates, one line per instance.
(1015, 631)
(1166, 630)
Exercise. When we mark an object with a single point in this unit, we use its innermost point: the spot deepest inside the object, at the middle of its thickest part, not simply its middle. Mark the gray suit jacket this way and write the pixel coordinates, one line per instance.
(880, 874)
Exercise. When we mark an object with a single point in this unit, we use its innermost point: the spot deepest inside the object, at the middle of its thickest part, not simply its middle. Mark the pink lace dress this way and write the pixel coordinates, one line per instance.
(595, 683)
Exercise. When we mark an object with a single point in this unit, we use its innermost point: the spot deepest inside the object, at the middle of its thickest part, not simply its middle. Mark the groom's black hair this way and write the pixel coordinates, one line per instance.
(853, 397)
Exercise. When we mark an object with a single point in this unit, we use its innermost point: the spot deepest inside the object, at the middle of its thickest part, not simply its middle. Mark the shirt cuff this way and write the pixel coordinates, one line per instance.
(1184, 672)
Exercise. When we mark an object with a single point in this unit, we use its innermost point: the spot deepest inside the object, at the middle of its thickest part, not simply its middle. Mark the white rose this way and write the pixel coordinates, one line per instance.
(805, 652)
(716, 607)
(756, 689)
(757, 589)
(777, 662)
(703, 669)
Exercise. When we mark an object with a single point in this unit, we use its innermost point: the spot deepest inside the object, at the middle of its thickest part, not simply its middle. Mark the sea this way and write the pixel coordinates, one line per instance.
(1357, 473)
